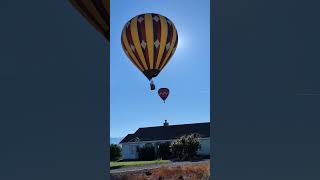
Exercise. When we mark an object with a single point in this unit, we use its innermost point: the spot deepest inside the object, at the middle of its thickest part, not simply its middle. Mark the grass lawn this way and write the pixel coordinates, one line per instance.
(114, 165)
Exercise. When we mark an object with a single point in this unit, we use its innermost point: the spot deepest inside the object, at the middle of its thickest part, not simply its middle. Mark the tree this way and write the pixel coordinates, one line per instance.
(115, 152)
(185, 147)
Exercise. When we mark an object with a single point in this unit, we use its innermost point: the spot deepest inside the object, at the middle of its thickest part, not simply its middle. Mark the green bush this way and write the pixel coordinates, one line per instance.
(164, 151)
(147, 153)
(115, 152)
(185, 147)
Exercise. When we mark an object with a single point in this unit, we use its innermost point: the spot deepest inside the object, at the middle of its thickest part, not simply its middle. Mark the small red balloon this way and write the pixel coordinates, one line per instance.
(163, 93)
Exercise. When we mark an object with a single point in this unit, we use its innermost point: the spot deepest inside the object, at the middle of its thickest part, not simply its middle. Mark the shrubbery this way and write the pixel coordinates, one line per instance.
(164, 151)
(185, 147)
(147, 153)
(115, 152)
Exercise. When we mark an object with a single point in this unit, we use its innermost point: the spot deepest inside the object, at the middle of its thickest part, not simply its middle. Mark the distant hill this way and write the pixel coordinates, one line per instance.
(115, 140)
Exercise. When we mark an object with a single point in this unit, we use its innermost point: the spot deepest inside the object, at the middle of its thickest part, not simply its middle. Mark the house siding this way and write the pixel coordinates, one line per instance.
(129, 151)
(205, 146)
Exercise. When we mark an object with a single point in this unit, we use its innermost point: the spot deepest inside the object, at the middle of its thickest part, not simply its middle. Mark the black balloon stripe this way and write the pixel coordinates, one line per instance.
(103, 12)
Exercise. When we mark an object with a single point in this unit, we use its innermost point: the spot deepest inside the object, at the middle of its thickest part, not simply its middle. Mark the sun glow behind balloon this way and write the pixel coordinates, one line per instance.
(183, 45)
(183, 37)
(181, 40)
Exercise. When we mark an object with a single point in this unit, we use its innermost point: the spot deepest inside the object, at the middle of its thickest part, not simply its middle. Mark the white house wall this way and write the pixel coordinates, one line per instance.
(129, 151)
(205, 146)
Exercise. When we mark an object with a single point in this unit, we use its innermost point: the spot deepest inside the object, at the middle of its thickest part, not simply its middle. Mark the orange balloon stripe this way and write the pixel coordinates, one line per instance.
(129, 48)
(149, 37)
(129, 52)
(163, 39)
(168, 40)
(169, 54)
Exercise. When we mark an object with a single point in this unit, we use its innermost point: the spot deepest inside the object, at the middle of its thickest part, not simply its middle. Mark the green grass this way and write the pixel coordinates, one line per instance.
(114, 165)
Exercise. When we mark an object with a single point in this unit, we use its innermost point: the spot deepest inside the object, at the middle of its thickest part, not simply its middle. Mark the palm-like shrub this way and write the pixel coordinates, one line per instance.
(185, 147)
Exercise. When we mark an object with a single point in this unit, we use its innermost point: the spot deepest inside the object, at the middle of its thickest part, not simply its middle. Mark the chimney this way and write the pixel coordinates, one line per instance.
(165, 123)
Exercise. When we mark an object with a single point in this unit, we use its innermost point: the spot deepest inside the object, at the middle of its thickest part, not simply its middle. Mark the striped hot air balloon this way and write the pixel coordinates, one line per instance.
(149, 40)
(97, 13)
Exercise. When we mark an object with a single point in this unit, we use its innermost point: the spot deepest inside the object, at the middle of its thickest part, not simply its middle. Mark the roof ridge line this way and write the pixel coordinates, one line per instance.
(173, 125)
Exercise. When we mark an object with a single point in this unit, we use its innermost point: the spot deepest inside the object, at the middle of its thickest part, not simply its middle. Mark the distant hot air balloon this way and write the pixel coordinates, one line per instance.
(149, 40)
(163, 93)
(97, 13)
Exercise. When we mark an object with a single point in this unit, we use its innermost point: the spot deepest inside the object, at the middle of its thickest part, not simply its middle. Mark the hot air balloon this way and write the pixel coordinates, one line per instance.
(97, 13)
(163, 93)
(149, 40)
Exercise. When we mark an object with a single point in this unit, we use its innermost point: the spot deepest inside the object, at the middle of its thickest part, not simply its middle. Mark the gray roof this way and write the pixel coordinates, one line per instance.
(168, 132)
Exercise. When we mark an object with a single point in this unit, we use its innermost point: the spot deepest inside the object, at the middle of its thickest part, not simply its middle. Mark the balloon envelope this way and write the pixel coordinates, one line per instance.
(97, 13)
(163, 93)
(149, 40)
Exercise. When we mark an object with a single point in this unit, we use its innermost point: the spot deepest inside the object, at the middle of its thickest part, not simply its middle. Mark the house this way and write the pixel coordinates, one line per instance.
(162, 134)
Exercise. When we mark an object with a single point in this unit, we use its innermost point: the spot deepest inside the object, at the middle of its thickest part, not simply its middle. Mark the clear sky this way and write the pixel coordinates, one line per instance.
(187, 75)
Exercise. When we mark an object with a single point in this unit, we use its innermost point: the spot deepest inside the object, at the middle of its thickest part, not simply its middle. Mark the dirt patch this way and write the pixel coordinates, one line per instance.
(199, 171)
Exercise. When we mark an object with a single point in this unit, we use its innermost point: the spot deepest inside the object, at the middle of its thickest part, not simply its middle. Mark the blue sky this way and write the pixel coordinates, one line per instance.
(187, 75)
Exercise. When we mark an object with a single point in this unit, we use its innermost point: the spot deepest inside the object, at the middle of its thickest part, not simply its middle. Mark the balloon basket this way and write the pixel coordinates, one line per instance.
(152, 86)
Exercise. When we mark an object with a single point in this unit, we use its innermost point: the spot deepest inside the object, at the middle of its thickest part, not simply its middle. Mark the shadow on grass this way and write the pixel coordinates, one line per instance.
(128, 160)
(193, 159)
(116, 167)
